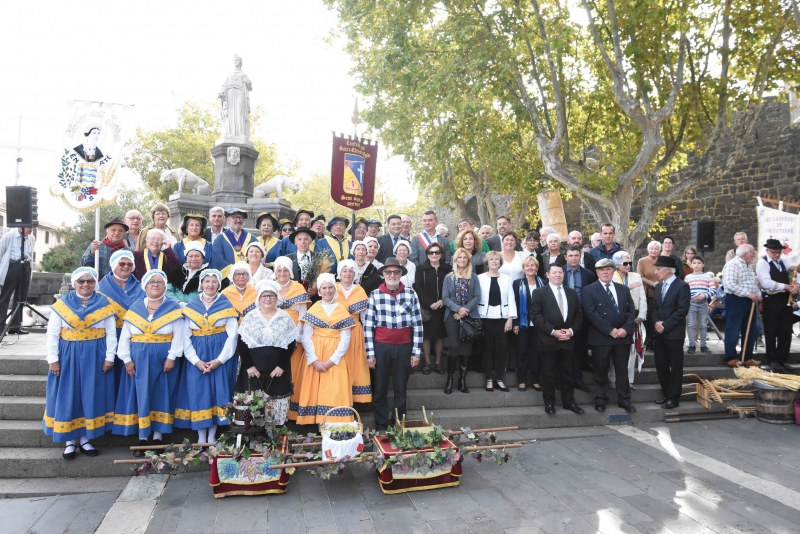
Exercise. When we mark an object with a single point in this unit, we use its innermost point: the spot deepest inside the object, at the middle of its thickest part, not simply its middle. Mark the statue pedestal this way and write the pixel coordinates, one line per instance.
(233, 180)
(182, 203)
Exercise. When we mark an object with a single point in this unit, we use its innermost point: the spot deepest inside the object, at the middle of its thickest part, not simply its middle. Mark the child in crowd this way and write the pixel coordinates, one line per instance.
(702, 287)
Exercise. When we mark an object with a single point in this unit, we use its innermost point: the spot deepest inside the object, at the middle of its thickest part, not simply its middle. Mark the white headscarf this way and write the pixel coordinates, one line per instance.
(327, 278)
(80, 271)
(367, 241)
(283, 261)
(151, 273)
(402, 243)
(362, 243)
(240, 266)
(269, 285)
(194, 245)
(346, 263)
(209, 272)
(118, 255)
(256, 244)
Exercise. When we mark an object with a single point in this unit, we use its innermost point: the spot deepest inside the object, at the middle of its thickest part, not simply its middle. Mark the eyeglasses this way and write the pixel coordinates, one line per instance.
(393, 273)
(89, 282)
(268, 296)
(155, 283)
(240, 218)
(240, 274)
(627, 263)
(286, 230)
(435, 253)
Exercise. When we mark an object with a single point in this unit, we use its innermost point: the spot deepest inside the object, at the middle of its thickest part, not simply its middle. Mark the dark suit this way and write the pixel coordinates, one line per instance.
(555, 355)
(602, 316)
(544, 262)
(588, 261)
(527, 354)
(580, 355)
(386, 241)
(671, 311)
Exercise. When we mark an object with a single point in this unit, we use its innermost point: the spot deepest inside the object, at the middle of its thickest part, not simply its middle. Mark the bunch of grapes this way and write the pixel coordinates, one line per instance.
(248, 419)
(344, 432)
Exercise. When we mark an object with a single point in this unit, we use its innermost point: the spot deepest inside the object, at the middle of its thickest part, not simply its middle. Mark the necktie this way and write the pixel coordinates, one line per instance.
(396, 239)
(561, 303)
(664, 287)
(572, 279)
(778, 266)
(611, 296)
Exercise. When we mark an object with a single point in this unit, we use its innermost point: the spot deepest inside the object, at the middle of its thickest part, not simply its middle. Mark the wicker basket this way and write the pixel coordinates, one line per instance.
(334, 449)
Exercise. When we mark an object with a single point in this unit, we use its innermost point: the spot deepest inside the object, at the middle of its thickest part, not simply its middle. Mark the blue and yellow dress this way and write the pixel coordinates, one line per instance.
(121, 301)
(80, 400)
(210, 334)
(146, 401)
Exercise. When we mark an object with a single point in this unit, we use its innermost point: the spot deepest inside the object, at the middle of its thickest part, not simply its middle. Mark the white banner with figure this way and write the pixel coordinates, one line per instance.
(91, 153)
(783, 226)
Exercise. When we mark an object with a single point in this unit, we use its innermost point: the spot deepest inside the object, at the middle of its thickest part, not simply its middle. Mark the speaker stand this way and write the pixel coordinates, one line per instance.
(18, 307)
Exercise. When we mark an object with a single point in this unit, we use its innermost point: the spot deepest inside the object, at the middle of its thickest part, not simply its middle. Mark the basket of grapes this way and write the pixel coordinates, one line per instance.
(247, 409)
(341, 440)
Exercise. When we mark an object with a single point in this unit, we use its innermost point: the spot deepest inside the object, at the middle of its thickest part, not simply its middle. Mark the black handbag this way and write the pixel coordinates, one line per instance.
(471, 329)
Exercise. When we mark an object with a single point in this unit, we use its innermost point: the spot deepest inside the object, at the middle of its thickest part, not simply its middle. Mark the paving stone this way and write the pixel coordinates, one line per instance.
(564, 522)
(20, 516)
(607, 522)
(92, 513)
(666, 515)
(433, 506)
(60, 515)
(168, 512)
(399, 521)
(448, 526)
(485, 526)
(467, 508)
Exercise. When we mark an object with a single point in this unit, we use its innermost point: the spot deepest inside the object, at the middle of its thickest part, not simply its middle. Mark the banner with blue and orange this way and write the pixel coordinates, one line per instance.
(353, 171)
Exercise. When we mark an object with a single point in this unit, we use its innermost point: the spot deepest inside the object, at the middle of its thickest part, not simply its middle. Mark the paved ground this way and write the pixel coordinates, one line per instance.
(722, 476)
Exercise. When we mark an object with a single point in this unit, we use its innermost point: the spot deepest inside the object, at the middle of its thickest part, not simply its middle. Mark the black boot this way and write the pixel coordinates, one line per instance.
(448, 387)
(462, 380)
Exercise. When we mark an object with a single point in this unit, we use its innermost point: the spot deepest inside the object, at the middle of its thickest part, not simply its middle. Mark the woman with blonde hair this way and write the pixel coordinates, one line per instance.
(497, 309)
(470, 241)
(527, 356)
(160, 215)
(461, 295)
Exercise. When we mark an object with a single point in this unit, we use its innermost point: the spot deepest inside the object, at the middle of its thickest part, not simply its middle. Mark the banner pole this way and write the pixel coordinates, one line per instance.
(97, 238)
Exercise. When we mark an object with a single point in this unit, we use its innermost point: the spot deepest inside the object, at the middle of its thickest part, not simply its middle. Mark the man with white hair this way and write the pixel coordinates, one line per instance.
(216, 219)
(739, 239)
(742, 296)
(134, 221)
(551, 254)
(485, 232)
(152, 257)
(575, 239)
(595, 239)
(543, 233)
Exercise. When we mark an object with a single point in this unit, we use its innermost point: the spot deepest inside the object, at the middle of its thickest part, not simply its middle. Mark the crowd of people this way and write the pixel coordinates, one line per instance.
(174, 323)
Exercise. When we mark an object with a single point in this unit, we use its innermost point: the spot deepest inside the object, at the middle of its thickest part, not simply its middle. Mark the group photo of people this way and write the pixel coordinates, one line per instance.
(320, 316)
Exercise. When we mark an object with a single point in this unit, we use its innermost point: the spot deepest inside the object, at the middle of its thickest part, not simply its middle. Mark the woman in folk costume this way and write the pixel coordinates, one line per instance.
(184, 285)
(295, 301)
(193, 229)
(81, 342)
(151, 340)
(267, 338)
(255, 254)
(243, 297)
(366, 273)
(326, 335)
(354, 299)
(209, 342)
(267, 224)
(122, 289)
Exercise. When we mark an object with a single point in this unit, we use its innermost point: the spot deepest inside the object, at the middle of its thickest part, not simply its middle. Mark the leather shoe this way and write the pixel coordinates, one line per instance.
(662, 400)
(549, 409)
(627, 406)
(788, 368)
(581, 386)
(574, 408)
(670, 405)
(534, 387)
(691, 350)
(18, 331)
(600, 407)
(140, 453)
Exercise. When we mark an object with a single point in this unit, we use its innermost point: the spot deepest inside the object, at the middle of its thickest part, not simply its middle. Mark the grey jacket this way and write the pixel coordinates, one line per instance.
(449, 295)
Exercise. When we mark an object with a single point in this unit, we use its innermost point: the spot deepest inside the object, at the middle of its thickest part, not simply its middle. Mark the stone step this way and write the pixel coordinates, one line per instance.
(436, 399)
(21, 408)
(28, 433)
(23, 385)
(23, 364)
(699, 359)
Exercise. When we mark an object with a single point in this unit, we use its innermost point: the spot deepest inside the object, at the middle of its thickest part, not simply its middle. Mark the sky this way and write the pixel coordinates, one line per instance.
(155, 55)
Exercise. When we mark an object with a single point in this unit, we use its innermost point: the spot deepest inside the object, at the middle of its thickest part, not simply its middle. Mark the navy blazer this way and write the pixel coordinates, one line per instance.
(387, 247)
(673, 310)
(547, 317)
(601, 313)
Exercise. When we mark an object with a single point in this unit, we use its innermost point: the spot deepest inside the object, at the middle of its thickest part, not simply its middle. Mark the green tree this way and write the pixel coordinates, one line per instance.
(188, 144)
(609, 110)
(66, 258)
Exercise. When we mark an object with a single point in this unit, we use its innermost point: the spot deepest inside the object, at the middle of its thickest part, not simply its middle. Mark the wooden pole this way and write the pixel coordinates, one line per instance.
(747, 334)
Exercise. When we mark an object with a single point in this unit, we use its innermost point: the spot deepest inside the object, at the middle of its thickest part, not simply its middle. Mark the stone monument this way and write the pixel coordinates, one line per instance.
(235, 160)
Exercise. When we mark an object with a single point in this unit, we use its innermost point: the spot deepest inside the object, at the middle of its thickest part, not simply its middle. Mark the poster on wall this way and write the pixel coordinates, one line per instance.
(780, 225)
(353, 171)
(90, 154)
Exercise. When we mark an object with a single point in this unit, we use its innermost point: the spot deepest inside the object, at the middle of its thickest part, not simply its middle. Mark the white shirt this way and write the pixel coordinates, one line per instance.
(764, 278)
(613, 291)
(215, 236)
(228, 350)
(308, 344)
(56, 323)
(565, 313)
(175, 328)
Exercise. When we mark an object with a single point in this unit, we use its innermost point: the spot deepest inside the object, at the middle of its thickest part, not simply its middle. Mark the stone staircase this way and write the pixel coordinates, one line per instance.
(26, 452)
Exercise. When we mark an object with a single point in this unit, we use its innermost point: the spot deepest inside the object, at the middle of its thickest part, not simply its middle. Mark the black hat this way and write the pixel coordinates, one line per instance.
(116, 220)
(391, 261)
(773, 244)
(304, 230)
(197, 217)
(374, 221)
(303, 210)
(666, 261)
(234, 211)
(319, 217)
(335, 218)
(265, 215)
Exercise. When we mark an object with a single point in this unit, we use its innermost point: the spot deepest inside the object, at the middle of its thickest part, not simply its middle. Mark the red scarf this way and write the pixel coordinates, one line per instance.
(113, 248)
(384, 289)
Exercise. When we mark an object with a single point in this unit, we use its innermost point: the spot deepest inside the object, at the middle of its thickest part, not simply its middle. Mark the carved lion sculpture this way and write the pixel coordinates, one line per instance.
(186, 178)
(276, 185)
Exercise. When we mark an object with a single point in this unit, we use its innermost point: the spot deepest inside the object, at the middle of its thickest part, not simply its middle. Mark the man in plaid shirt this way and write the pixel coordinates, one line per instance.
(741, 296)
(393, 332)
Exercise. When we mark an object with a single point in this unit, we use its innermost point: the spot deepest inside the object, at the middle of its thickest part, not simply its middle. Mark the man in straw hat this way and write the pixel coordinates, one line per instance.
(742, 296)
(671, 302)
(773, 275)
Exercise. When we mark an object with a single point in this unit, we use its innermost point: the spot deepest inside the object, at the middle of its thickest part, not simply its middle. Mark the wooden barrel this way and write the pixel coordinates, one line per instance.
(775, 405)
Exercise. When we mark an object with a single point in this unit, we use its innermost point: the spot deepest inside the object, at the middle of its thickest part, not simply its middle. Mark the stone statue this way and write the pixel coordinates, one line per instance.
(186, 178)
(235, 102)
(276, 185)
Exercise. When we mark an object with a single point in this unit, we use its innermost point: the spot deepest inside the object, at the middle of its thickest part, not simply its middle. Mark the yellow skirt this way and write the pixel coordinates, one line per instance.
(319, 392)
(356, 357)
(299, 365)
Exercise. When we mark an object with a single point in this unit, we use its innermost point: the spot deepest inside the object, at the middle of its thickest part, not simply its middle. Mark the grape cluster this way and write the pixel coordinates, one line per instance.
(338, 435)
(247, 418)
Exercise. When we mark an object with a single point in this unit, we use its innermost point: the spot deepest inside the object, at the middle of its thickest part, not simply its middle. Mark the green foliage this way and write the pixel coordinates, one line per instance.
(66, 258)
(188, 143)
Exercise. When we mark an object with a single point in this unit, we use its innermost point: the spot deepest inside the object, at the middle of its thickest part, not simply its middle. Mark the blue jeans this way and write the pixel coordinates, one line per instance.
(737, 312)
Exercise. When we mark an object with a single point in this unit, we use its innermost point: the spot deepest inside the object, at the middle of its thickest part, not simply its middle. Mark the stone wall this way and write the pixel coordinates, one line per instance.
(768, 168)
(44, 288)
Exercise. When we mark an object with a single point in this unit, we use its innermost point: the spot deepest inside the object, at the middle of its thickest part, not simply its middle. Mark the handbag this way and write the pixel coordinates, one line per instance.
(426, 315)
(470, 330)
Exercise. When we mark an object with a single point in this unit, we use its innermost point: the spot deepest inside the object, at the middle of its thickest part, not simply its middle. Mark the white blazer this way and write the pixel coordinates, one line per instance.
(638, 294)
(509, 304)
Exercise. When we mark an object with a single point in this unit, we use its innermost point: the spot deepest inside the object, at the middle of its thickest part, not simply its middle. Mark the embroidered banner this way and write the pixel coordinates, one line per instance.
(90, 154)
(783, 226)
(353, 171)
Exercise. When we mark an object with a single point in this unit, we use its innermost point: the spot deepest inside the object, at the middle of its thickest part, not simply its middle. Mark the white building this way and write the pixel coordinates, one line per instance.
(44, 234)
